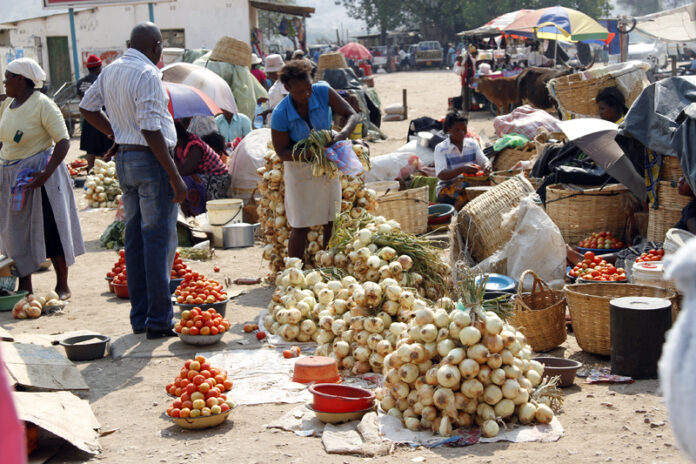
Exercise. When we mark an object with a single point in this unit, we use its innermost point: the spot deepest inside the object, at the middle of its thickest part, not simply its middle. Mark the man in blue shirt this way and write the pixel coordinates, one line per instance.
(232, 125)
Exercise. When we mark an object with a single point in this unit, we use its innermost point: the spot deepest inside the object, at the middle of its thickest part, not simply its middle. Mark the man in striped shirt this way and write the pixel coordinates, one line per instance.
(132, 92)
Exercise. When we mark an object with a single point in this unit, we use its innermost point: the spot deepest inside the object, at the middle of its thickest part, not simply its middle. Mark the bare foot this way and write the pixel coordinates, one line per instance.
(63, 293)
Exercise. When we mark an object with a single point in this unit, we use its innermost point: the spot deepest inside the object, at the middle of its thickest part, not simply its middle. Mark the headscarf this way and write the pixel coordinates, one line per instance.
(26, 67)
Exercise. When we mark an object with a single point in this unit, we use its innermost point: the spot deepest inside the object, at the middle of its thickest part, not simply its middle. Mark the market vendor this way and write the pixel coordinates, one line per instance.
(688, 218)
(455, 157)
(612, 104)
(232, 125)
(92, 140)
(202, 169)
(38, 216)
(309, 200)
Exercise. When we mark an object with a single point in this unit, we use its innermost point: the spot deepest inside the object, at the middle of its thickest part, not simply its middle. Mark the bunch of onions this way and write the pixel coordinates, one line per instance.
(102, 189)
(472, 369)
(271, 209)
(358, 324)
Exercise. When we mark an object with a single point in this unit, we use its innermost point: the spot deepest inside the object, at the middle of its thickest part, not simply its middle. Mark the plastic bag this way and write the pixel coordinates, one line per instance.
(536, 244)
(678, 362)
(345, 158)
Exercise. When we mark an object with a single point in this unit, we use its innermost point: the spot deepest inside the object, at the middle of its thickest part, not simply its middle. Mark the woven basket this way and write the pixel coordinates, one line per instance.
(542, 140)
(232, 51)
(660, 220)
(578, 213)
(590, 311)
(480, 226)
(540, 314)
(671, 169)
(499, 177)
(383, 186)
(334, 60)
(409, 208)
(508, 157)
(577, 95)
(668, 195)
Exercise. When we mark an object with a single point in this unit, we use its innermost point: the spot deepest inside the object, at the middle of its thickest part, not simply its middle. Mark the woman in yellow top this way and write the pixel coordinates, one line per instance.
(38, 216)
(611, 104)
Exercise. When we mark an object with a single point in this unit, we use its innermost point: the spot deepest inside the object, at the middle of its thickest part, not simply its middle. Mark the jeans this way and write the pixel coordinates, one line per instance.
(151, 238)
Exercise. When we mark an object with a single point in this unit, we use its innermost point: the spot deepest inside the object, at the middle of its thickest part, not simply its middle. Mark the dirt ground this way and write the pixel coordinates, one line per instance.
(615, 423)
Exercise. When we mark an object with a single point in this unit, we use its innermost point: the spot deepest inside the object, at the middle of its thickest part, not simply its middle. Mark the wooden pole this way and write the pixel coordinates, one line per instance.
(404, 102)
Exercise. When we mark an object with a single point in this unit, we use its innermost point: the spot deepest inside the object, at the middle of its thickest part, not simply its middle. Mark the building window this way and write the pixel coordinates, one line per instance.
(173, 38)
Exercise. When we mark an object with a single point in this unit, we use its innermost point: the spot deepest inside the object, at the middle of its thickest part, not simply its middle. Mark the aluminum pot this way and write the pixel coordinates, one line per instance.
(238, 235)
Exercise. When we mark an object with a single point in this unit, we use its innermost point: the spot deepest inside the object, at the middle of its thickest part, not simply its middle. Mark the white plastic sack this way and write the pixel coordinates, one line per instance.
(247, 158)
(536, 244)
(387, 167)
(425, 154)
(678, 362)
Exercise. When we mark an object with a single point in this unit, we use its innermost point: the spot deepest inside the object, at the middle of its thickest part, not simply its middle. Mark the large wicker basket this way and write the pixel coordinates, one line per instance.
(409, 208)
(578, 213)
(498, 177)
(480, 228)
(576, 93)
(540, 314)
(543, 140)
(668, 195)
(671, 169)
(334, 60)
(232, 51)
(660, 220)
(508, 157)
(590, 311)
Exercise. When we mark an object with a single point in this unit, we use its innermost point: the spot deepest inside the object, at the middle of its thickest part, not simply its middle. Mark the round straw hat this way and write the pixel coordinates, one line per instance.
(232, 51)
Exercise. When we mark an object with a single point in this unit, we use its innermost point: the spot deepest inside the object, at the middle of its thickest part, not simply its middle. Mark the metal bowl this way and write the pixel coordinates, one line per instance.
(220, 306)
(200, 340)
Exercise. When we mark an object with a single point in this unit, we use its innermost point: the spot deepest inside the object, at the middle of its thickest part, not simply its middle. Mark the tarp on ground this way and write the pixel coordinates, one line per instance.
(676, 25)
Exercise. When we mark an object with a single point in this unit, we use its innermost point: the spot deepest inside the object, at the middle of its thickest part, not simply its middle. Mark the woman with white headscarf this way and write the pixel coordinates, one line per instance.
(38, 216)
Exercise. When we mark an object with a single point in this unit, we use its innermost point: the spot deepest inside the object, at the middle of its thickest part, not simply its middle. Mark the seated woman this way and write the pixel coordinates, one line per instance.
(455, 156)
(202, 169)
(612, 105)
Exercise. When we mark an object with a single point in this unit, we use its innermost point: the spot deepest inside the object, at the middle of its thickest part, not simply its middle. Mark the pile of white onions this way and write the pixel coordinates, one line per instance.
(101, 186)
(361, 257)
(356, 199)
(462, 368)
(356, 323)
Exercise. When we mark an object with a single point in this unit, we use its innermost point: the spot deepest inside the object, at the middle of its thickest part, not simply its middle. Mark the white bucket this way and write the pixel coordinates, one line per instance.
(675, 239)
(649, 273)
(224, 211)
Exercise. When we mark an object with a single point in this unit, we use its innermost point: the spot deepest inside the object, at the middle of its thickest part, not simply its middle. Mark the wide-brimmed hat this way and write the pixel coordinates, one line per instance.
(93, 61)
(274, 63)
(255, 59)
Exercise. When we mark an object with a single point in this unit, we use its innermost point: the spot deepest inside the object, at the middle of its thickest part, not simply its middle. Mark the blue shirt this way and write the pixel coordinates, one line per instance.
(286, 119)
(238, 127)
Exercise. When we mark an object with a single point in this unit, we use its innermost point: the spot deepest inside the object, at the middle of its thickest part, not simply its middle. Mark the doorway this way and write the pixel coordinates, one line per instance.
(58, 61)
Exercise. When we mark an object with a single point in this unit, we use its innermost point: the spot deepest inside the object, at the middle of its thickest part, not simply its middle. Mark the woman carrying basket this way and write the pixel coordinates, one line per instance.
(309, 200)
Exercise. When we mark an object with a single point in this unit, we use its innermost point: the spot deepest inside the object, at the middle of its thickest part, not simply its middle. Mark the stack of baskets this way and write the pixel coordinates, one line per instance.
(578, 213)
(508, 157)
(408, 207)
(590, 312)
(540, 314)
(669, 202)
(232, 51)
(480, 227)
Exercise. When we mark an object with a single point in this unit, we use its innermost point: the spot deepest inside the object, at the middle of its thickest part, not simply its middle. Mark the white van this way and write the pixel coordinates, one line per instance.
(644, 48)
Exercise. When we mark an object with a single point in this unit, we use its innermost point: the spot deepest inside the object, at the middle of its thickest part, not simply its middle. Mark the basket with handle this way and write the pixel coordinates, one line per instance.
(540, 314)
(508, 157)
(590, 312)
(498, 177)
(409, 208)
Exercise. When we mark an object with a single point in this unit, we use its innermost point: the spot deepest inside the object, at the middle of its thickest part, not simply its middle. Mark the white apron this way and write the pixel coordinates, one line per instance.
(309, 200)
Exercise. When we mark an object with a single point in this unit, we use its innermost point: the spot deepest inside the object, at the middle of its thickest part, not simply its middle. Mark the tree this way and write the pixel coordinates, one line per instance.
(385, 15)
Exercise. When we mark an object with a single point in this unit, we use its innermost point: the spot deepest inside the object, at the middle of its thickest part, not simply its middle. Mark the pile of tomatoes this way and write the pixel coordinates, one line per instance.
(119, 268)
(651, 255)
(595, 268)
(179, 268)
(601, 240)
(196, 289)
(200, 390)
(199, 322)
(479, 173)
(76, 166)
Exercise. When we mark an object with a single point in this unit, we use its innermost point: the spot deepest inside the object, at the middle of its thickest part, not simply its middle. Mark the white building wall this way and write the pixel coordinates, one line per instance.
(104, 29)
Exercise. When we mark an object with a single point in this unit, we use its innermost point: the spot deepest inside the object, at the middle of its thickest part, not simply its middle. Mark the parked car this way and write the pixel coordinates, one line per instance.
(644, 48)
(429, 53)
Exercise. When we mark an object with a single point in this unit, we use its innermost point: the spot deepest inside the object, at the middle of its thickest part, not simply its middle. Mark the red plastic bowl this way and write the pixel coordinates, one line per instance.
(330, 397)
(121, 291)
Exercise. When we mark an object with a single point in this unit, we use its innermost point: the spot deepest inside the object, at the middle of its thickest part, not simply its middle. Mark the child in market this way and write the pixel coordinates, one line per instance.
(455, 157)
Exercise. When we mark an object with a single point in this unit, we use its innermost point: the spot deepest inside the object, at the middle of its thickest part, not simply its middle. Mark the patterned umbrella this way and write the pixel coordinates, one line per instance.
(203, 79)
(495, 25)
(557, 23)
(355, 51)
(186, 101)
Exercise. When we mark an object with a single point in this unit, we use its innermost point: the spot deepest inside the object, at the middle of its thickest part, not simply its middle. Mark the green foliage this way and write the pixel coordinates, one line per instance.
(385, 15)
